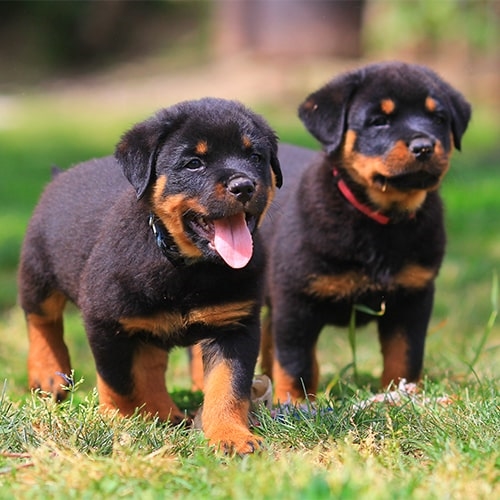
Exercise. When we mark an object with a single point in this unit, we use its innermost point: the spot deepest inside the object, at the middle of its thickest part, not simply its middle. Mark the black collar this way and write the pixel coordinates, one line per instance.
(165, 241)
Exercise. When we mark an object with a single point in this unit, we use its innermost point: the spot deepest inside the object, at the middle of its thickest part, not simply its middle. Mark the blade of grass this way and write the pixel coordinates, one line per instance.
(352, 342)
(491, 321)
(352, 330)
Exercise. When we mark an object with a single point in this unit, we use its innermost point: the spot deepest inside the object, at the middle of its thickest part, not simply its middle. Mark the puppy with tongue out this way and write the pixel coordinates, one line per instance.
(163, 251)
(214, 177)
(210, 196)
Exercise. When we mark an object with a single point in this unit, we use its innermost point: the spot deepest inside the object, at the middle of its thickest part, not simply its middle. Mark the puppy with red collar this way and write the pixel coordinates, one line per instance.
(360, 223)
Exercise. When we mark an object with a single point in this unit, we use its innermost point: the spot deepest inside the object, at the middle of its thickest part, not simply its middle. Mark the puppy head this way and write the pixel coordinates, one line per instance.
(209, 169)
(391, 127)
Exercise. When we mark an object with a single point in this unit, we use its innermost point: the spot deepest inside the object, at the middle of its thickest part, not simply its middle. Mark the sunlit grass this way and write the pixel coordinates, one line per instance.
(412, 450)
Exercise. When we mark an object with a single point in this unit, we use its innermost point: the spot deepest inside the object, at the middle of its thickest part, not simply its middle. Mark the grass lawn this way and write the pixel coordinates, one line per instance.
(418, 449)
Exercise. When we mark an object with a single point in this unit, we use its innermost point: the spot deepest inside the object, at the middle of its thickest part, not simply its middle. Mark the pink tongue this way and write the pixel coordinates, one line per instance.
(233, 240)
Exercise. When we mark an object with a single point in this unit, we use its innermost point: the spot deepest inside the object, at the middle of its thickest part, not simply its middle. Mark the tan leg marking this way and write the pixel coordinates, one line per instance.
(287, 389)
(48, 354)
(196, 368)
(224, 417)
(266, 345)
(149, 392)
(395, 353)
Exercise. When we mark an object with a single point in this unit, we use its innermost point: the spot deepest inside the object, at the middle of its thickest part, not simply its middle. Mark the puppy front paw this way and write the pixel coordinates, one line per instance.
(237, 440)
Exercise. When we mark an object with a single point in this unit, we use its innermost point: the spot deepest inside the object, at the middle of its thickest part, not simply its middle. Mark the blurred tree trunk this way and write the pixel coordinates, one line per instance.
(289, 27)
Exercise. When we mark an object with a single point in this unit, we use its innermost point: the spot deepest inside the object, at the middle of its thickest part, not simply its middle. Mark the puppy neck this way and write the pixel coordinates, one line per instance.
(365, 208)
(351, 198)
(165, 241)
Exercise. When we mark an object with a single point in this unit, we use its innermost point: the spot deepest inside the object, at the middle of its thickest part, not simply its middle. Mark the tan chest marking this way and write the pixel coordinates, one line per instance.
(172, 323)
(339, 286)
(351, 283)
(414, 276)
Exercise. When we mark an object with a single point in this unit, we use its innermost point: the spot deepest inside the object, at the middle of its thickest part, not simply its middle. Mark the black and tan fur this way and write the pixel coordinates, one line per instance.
(388, 132)
(130, 240)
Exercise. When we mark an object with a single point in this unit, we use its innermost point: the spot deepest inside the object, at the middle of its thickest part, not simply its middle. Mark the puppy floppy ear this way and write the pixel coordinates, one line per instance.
(138, 150)
(272, 141)
(275, 163)
(276, 168)
(456, 104)
(324, 112)
(460, 115)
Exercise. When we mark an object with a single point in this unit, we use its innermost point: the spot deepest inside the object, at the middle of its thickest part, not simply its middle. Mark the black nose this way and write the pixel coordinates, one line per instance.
(242, 188)
(422, 147)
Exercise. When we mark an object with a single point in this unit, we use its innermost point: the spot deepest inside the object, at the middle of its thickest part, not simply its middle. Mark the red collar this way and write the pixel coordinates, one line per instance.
(349, 196)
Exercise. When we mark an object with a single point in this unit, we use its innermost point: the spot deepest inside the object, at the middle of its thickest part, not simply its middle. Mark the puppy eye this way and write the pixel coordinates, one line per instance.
(255, 157)
(439, 118)
(194, 164)
(379, 121)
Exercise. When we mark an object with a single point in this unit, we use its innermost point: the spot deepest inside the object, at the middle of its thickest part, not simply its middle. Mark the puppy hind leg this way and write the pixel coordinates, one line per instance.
(48, 356)
(294, 381)
(146, 390)
(266, 343)
(196, 367)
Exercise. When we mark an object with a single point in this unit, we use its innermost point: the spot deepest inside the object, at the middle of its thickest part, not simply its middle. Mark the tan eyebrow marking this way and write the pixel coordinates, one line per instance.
(201, 148)
(246, 141)
(430, 104)
(387, 106)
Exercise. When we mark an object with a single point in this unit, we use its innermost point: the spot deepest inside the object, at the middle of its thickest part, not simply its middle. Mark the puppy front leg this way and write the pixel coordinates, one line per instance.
(229, 363)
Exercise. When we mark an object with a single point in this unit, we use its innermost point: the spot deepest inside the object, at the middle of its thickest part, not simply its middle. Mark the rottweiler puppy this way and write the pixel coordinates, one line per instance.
(158, 247)
(360, 223)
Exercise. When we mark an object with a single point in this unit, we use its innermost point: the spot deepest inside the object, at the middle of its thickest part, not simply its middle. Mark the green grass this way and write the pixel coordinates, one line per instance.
(418, 451)
(413, 450)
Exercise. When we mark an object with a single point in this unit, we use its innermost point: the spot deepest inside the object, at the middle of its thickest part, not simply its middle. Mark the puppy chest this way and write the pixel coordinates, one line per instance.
(172, 324)
(354, 283)
(189, 302)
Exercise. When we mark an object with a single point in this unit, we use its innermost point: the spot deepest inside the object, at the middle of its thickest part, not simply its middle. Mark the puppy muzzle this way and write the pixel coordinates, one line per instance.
(241, 187)
(422, 147)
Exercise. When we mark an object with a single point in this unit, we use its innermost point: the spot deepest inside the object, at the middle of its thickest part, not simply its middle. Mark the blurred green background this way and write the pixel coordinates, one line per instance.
(75, 75)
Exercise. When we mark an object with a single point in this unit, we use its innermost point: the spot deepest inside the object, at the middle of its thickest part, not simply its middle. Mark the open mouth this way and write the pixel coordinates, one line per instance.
(408, 182)
(230, 237)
